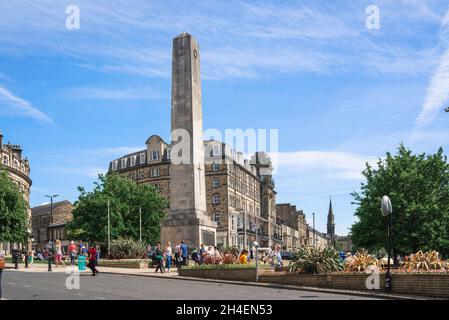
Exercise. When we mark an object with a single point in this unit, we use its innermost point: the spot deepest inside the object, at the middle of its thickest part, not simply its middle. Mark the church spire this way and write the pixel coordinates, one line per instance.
(330, 215)
(331, 223)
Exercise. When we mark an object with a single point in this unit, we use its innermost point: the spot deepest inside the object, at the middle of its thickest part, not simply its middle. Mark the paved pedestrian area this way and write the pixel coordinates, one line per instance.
(32, 285)
(44, 268)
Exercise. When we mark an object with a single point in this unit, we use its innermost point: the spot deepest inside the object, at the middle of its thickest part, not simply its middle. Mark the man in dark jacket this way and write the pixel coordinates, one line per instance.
(158, 254)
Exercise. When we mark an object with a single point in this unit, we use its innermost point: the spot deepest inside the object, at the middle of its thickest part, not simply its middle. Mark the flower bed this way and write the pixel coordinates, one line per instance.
(430, 284)
(125, 263)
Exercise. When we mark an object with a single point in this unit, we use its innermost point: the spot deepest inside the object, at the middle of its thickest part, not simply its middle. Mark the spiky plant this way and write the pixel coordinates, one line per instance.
(424, 261)
(127, 248)
(316, 260)
(360, 262)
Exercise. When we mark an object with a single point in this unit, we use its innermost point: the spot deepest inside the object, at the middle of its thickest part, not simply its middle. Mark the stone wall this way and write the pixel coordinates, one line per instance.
(421, 284)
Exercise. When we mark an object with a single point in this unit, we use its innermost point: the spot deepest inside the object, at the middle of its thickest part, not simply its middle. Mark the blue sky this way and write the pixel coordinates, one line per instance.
(339, 93)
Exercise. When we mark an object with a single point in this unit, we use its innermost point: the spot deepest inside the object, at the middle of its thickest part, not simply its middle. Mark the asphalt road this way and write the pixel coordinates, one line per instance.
(52, 286)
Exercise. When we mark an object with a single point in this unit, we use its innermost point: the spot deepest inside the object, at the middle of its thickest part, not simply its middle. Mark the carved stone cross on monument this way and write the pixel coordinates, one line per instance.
(199, 175)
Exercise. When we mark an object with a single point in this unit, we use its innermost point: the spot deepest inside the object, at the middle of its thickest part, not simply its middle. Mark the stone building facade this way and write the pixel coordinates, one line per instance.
(317, 238)
(47, 227)
(238, 199)
(18, 169)
(294, 225)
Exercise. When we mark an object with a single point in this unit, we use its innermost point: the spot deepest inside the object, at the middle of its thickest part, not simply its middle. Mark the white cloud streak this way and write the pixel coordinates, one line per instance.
(238, 39)
(438, 89)
(332, 164)
(14, 105)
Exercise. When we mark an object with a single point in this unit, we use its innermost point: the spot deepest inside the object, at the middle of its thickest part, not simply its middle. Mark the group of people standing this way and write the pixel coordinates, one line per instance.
(92, 253)
(201, 256)
(73, 252)
(274, 256)
(167, 257)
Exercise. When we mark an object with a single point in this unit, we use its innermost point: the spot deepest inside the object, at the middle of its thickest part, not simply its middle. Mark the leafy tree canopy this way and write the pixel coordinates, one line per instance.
(418, 186)
(13, 211)
(90, 218)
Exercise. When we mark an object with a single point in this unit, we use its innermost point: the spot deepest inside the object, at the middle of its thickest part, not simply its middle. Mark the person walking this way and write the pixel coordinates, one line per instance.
(203, 253)
(98, 253)
(159, 255)
(184, 253)
(93, 260)
(2, 266)
(58, 253)
(168, 256)
(178, 254)
(73, 252)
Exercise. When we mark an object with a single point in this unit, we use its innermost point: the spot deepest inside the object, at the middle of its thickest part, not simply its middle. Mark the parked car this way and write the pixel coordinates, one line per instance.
(287, 255)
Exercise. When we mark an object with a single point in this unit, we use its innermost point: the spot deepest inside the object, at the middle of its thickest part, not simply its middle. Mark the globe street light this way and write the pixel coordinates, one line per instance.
(387, 210)
(50, 243)
(446, 109)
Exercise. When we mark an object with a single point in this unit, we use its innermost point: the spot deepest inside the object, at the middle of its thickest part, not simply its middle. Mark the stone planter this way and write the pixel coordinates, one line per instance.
(124, 264)
(421, 284)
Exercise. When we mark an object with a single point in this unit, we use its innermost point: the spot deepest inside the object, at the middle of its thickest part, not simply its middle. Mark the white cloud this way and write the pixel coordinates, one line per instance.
(15, 105)
(333, 164)
(238, 39)
(438, 89)
(437, 93)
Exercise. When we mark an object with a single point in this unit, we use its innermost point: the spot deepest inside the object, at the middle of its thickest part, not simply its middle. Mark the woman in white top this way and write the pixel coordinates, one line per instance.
(168, 256)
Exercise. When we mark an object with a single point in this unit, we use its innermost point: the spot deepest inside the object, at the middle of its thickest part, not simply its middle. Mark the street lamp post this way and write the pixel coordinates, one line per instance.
(387, 210)
(50, 243)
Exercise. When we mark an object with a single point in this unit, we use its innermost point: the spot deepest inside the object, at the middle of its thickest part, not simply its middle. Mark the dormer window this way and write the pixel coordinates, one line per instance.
(155, 155)
(124, 160)
(142, 158)
(5, 160)
(114, 165)
(133, 161)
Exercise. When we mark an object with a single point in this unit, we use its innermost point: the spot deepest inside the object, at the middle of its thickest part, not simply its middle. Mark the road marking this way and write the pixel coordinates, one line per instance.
(12, 283)
(100, 298)
(27, 286)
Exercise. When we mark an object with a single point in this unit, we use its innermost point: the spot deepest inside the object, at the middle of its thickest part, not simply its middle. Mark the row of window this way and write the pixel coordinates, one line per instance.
(240, 203)
(154, 173)
(15, 164)
(244, 189)
(154, 155)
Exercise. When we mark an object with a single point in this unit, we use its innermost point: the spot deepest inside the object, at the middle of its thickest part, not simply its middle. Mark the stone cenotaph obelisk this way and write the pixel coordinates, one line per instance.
(187, 219)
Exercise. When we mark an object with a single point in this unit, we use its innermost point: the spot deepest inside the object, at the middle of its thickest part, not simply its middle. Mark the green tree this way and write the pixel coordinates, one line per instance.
(418, 186)
(90, 220)
(13, 211)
